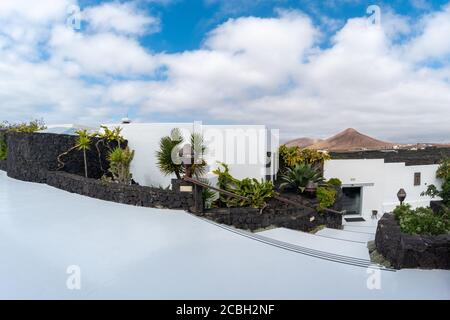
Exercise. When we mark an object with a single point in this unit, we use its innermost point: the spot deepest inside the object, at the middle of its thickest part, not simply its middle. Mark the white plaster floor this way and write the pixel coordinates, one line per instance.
(130, 252)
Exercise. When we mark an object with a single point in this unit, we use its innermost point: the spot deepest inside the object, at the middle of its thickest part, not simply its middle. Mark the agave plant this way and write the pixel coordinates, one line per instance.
(298, 177)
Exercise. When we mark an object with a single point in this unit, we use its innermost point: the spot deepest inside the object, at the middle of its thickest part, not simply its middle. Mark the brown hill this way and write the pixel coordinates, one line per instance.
(349, 140)
(302, 142)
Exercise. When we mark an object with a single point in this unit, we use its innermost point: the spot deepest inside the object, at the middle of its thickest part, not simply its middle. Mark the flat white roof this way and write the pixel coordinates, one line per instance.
(132, 252)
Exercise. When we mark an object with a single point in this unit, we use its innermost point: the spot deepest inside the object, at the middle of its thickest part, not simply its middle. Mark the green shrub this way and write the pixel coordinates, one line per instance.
(422, 221)
(444, 169)
(225, 180)
(297, 178)
(335, 182)
(291, 156)
(30, 127)
(443, 173)
(256, 191)
(119, 162)
(3, 150)
(326, 197)
(402, 210)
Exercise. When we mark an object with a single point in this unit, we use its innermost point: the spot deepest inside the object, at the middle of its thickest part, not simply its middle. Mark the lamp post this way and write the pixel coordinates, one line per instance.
(401, 195)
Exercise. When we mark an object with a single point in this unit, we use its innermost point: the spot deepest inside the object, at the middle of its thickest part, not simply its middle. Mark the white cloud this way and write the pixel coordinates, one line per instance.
(123, 18)
(100, 54)
(433, 42)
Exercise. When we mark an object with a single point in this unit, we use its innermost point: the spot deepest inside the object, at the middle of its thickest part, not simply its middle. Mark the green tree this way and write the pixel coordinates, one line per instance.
(83, 143)
(169, 150)
(169, 147)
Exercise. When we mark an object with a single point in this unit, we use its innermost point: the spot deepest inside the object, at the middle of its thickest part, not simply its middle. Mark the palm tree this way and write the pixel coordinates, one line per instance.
(83, 144)
(168, 147)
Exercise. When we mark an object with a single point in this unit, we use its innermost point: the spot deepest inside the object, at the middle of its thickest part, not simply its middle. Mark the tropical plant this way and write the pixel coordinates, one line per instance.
(207, 194)
(421, 221)
(3, 150)
(83, 143)
(224, 179)
(326, 197)
(199, 165)
(313, 157)
(30, 127)
(169, 147)
(291, 156)
(335, 182)
(106, 137)
(256, 192)
(443, 173)
(119, 164)
(297, 178)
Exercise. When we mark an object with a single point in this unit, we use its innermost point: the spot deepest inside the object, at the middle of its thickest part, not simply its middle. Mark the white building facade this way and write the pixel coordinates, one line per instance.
(373, 184)
(249, 150)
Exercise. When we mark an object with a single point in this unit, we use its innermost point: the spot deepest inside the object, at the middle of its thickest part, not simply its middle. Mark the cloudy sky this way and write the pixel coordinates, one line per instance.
(309, 68)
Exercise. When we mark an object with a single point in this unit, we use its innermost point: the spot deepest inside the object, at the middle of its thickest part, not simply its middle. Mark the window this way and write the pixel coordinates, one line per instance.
(417, 179)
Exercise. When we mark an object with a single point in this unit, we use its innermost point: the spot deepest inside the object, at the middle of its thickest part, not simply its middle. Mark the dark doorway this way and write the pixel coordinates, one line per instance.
(352, 200)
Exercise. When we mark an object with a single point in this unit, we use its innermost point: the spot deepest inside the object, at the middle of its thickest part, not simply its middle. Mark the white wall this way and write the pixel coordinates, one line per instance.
(244, 148)
(381, 181)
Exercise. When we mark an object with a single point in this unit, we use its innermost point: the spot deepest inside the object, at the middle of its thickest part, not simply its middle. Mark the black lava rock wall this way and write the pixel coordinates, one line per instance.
(132, 195)
(411, 251)
(431, 155)
(3, 165)
(303, 219)
(32, 155)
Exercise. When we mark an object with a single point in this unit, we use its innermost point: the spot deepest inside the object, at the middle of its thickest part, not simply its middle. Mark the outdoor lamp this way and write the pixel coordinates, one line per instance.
(401, 195)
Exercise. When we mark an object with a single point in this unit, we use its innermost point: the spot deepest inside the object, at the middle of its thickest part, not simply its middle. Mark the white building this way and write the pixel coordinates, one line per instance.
(247, 149)
(372, 184)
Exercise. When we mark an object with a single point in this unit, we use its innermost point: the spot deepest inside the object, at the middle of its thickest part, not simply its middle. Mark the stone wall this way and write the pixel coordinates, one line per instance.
(31, 155)
(411, 251)
(110, 191)
(431, 155)
(303, 219)
(3, 165)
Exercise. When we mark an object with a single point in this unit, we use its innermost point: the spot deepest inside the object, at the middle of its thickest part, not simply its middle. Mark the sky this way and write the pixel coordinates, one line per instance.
(309, 68)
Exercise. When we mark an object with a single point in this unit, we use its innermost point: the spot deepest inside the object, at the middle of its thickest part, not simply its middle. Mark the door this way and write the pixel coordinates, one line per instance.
(352, 200)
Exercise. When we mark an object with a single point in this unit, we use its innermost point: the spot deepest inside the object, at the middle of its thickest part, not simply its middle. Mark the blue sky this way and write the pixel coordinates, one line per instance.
(184, 23)
(309, 68)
